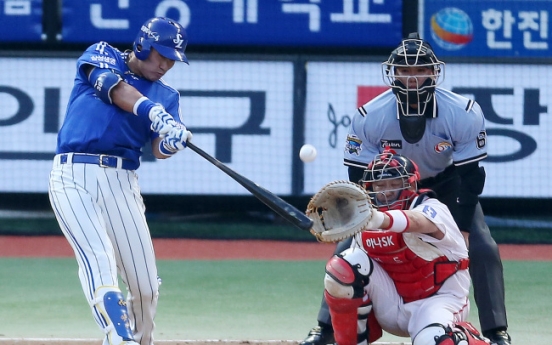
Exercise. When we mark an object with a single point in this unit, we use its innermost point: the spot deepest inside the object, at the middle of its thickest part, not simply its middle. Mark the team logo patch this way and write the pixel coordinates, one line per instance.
(393, 144)
(353, 145)
(481, 140)
(442, 147)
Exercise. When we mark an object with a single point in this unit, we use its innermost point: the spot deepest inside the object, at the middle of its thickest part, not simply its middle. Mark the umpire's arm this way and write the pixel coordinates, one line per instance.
(472, 180)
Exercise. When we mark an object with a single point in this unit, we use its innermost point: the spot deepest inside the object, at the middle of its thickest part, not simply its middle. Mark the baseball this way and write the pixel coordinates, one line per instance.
(307, 153)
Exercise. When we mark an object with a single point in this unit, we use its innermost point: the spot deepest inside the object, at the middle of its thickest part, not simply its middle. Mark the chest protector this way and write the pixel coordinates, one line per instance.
(417, 268)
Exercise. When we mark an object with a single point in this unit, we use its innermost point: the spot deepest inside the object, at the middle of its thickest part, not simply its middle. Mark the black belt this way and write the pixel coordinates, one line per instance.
(103, 161)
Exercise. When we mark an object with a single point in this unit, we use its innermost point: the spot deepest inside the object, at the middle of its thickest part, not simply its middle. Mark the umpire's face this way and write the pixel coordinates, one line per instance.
(155, 66)
(413, 77)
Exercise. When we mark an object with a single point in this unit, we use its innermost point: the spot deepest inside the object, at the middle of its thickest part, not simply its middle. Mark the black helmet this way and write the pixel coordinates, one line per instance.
(414, 98)
(391, 165)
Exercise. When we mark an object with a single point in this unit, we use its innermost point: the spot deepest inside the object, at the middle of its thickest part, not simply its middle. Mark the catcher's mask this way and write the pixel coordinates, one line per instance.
(413, 71)
(391, 181)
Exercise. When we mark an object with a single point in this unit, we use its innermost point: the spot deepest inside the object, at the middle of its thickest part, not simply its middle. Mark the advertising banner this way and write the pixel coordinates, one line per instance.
(488, 28)
(21, 20)
(241, 22)
(514, 99)
(242, 113)
(239, 112)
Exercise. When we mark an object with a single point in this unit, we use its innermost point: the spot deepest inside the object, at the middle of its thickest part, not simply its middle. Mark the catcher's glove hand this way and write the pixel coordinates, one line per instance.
(340, 210)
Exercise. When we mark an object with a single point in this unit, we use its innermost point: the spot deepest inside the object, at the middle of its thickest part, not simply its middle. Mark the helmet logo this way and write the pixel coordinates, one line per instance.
(178, 41)
(151, 34)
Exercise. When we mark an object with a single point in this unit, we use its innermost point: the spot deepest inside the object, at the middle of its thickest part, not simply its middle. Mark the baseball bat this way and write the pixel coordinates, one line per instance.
(284, 209)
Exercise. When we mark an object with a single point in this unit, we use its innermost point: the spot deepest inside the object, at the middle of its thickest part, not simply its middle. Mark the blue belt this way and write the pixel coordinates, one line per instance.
(103, 161)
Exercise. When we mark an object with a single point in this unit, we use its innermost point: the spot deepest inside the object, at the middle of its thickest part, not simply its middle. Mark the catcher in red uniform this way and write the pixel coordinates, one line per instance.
(406, 271)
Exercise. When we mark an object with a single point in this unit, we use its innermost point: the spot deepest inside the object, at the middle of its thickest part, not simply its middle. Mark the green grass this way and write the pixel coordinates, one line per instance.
(240, 300)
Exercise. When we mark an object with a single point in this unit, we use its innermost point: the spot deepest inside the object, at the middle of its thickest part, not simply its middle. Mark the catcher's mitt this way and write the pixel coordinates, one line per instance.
(339, 210)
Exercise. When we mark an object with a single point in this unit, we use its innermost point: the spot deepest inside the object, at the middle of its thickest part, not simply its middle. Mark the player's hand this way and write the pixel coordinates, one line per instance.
(175, 140)
(161, 121)
(376, 220)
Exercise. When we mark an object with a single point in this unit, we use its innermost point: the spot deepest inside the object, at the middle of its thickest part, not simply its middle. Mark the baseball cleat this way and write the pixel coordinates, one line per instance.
(499, 338)
(319, 336)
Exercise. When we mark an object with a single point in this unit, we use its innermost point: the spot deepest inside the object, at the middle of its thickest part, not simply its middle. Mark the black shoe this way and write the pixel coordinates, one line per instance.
(319, 336)
(499, 337)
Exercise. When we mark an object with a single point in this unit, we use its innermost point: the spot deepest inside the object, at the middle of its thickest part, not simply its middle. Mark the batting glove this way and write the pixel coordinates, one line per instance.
(175, 140)
(161, 121)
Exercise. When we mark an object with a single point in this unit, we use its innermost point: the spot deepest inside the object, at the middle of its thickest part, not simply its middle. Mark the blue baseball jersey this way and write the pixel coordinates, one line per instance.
(93, 126)
(456, 136)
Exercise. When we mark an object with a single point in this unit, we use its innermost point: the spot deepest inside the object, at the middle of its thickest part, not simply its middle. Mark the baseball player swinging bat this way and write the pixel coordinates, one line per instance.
(284, 209)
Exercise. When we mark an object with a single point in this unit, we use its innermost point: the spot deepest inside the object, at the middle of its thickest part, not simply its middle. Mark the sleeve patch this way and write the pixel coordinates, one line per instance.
(481, 140)
(353, 145)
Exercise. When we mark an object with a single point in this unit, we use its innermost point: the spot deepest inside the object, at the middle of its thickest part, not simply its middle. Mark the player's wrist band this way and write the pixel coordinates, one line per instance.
(163, 149)
(142, 107)
(398, 221)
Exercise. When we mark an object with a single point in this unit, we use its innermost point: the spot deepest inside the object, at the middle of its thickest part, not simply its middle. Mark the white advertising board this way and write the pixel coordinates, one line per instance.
(239, 112)
(514, 99)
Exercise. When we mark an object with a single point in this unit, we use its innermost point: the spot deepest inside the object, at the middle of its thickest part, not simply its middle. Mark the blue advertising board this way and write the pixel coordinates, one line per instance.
(21, 20)
(487, 28)
(302, 23)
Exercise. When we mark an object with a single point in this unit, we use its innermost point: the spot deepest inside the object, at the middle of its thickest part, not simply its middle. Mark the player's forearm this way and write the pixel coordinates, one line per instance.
(409, 221)
(125, 96)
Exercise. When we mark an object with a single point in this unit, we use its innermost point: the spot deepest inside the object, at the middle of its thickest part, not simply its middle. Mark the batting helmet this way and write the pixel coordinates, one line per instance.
(386, 166)
(167, 36)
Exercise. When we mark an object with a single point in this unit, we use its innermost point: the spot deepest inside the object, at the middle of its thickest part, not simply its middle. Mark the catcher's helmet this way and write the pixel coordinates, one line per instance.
(167, 36)
(413, 52)
(390, 165)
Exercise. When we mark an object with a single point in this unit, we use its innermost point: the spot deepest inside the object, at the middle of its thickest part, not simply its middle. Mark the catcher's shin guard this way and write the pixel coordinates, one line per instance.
(113, 316)
(344, 314)
(462, 333)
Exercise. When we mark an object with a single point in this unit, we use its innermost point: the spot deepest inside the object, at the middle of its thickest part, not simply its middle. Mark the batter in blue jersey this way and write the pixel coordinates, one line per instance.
(119, 104)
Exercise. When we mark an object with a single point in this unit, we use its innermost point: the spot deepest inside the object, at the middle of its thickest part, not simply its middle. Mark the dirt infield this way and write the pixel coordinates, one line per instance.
(60, 341)
(189, 249)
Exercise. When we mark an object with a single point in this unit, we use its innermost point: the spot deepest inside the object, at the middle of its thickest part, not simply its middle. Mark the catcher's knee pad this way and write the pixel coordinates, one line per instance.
(347, 273)
(435, 334)
(111, 305)
(462, 333)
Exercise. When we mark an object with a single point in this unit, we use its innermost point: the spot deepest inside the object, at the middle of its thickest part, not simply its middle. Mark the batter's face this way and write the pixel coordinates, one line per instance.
(413, 77)
(155, 66)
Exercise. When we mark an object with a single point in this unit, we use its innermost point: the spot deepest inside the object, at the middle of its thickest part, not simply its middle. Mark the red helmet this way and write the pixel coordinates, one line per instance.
(390, 165)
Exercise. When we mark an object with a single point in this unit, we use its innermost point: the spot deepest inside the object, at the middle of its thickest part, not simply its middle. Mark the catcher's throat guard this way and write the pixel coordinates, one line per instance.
(339, 210)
